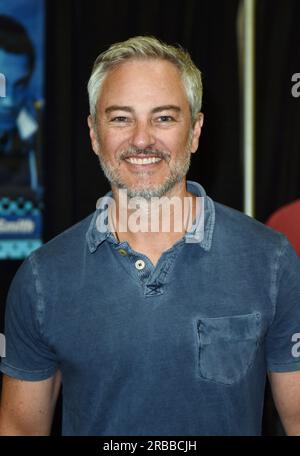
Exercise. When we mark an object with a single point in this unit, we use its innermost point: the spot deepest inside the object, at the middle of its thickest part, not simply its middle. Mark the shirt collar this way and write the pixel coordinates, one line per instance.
(201, 232)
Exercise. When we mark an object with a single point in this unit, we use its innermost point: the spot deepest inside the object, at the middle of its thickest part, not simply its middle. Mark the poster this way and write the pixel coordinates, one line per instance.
(22, 24)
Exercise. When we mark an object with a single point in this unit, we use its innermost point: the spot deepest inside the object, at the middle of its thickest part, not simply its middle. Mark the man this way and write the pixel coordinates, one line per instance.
(17, 122)
(152, 331)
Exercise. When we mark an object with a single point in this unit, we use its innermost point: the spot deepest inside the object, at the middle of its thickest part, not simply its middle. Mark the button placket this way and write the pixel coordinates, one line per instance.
(122, 252)
(140, 264)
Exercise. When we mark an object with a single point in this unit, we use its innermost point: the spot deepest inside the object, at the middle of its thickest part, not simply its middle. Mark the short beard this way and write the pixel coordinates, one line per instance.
(178, 173)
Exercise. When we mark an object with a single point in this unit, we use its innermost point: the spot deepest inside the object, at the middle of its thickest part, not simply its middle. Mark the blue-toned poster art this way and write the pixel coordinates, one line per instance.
(21, 109)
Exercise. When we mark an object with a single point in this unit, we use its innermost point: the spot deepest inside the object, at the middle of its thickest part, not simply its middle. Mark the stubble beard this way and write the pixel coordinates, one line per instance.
(178, 171)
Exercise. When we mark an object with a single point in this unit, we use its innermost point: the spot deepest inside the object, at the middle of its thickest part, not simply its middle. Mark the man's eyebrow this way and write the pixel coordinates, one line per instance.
(166, 108)
(153, 111)
(118, 108)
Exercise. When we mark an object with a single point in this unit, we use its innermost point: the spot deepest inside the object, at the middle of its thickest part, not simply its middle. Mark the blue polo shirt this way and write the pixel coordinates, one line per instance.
(182, 348)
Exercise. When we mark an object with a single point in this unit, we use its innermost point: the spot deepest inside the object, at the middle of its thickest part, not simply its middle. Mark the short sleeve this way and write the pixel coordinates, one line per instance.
(283, 337)
(28, 356)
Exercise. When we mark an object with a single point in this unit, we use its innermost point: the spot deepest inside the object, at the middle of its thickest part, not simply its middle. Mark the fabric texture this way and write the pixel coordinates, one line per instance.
(182, 348)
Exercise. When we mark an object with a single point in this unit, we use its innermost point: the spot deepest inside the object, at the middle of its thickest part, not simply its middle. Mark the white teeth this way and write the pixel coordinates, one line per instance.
(143, 161)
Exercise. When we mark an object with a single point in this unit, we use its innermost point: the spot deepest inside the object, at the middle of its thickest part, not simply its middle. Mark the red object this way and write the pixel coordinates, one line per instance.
(287, 221)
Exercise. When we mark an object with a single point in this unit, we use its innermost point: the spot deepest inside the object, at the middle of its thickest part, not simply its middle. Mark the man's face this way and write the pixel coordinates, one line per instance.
(143, 133)
(16, 71)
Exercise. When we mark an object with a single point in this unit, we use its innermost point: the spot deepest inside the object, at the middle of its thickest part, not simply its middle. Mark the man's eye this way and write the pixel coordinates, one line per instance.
(164, 119)
(21, 83)
(120, 119)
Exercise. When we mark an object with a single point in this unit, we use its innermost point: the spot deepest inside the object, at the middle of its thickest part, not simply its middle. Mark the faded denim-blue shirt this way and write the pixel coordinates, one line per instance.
(182, 348)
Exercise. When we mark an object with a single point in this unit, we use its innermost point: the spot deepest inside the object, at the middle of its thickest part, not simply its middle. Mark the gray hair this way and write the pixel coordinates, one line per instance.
(143, 47)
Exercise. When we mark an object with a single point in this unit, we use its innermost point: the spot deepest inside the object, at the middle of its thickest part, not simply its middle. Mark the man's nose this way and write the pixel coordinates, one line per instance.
(8, 100)
(142, 135)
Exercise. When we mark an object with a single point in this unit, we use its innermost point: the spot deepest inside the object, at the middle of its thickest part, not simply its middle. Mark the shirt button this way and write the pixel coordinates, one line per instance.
(140, 264)
(122, 252)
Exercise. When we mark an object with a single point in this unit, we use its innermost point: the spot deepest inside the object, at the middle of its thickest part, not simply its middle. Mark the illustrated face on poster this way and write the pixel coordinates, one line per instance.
(18, 120)
(17, 75)
(21, 102)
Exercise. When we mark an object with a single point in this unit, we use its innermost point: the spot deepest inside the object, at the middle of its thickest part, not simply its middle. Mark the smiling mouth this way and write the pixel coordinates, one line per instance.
(143, 161)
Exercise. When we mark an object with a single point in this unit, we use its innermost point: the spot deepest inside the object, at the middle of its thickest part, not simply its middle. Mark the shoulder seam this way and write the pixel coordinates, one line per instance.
(40, 305)
(275, 274)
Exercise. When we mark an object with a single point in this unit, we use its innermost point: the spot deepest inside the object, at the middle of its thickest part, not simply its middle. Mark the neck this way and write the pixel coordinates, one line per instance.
(152, 227)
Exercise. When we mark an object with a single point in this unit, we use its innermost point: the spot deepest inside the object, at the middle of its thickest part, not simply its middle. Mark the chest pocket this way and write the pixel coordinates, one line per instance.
(227, 346)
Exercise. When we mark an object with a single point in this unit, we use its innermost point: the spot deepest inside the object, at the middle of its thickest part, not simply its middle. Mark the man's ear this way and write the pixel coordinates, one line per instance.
(197, 127)
(93, 135)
